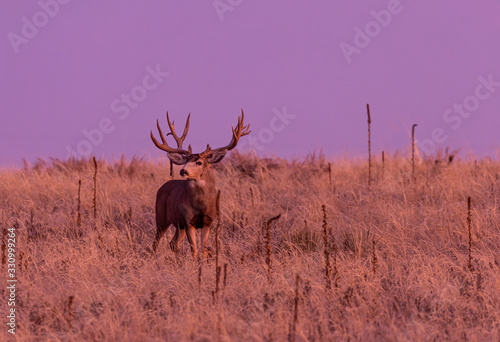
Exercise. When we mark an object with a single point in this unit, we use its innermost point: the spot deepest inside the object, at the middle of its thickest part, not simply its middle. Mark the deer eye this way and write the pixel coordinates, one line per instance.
(199, 163)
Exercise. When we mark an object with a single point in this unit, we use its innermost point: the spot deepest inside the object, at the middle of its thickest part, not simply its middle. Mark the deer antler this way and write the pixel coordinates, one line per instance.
(179, 140)
(238, 132)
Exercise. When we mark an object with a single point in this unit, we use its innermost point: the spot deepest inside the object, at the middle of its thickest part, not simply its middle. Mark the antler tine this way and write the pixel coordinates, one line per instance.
(245, 130)
(164, 141)
(186, 128)
(164, 146)
(241, 130)
(178, 140)
(238, 132)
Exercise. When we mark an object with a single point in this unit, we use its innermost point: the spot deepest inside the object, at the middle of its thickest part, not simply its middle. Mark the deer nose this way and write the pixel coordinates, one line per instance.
(184, 173)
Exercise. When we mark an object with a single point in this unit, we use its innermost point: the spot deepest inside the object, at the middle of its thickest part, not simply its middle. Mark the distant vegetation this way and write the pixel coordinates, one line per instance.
(400, 261)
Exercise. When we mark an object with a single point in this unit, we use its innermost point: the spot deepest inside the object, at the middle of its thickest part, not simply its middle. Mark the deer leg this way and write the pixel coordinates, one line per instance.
(191, 235)
(160, 230)
(204, 241)
(179, 235)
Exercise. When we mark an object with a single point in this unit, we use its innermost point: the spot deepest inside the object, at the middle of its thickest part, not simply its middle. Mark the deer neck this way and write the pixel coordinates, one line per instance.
(202, 190)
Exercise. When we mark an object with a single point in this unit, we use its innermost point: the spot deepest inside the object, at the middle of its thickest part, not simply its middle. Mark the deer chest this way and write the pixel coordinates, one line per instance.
(200, 221)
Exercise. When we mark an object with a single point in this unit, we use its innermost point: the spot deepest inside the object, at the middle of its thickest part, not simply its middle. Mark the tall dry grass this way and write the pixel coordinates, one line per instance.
(82, 284)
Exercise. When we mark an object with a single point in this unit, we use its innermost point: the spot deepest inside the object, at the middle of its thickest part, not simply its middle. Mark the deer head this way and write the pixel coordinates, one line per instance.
(194, 165)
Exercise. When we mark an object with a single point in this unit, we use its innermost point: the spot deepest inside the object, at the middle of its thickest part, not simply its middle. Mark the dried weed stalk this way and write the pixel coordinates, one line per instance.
(413, 152)
(95, 190)
(369, 146)
(328, 269)
(217, 232)
(383, 164)
(268, 245)
(469, 224)
(293, 331)
(70, 311)
(78, 210)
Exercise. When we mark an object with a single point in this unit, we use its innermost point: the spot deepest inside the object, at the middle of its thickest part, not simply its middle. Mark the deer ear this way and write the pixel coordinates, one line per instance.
(216, 156)
(177, 158)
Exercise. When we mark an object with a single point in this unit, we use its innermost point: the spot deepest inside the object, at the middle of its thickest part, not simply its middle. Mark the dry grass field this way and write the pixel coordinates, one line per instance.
(398, 253)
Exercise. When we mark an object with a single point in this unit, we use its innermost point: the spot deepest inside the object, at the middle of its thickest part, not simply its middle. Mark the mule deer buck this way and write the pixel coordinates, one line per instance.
(189, 203)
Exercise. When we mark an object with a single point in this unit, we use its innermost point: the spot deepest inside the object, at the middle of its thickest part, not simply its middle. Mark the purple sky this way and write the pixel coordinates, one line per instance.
(434, 63)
